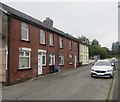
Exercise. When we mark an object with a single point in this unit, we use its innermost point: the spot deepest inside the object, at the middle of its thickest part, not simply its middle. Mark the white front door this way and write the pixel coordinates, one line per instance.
(39, 64)
(75, 64)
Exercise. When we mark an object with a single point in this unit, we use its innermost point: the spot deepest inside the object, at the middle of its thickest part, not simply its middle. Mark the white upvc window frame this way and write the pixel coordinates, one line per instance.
(51, 40)
(25, 27)
(76, 47)
(24, 50)
(81, 48)
(70, 45)
(60, 42)
(51, 56)
(44, 55)
(70, 56)
(42, 36)
(61, 60)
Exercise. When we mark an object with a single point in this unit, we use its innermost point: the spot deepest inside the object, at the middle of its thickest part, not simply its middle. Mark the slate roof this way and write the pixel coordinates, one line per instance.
(13, 12)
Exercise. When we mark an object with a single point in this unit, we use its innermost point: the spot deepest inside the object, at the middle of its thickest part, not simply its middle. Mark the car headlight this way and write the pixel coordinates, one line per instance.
(109, 70)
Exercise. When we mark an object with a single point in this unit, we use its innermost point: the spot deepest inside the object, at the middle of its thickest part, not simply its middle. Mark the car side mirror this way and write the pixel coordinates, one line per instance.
(112, 64)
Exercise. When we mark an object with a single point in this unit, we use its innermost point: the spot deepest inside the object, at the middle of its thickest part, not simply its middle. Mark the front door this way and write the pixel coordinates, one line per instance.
(39, 64)
(75, 64)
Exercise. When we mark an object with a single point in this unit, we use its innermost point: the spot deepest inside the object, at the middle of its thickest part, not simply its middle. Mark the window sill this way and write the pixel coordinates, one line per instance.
(61, 64)
(70, 63)
(51, 65)
(43, 44)
(61, 48)
(24, 69)
(44, 65)
(51, 45)
(25, 40)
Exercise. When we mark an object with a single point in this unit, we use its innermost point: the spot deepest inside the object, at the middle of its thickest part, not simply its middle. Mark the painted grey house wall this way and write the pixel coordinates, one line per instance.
(3, 44)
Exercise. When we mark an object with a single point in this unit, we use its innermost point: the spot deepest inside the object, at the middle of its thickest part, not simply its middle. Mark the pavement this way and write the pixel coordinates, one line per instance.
(116, 87)
(72, 84)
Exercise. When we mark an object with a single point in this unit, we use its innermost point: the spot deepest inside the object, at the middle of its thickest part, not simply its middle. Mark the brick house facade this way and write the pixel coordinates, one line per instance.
(33, 47)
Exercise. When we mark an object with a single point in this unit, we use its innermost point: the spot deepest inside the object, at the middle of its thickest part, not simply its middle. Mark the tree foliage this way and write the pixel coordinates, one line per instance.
(96, 49)
(116, 48)
(95, 42)
(83, 39)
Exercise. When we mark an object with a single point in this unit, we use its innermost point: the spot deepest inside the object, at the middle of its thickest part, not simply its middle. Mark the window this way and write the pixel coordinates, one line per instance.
(61, 42)
(24, 58)
(43, 55)
(81, 49)
(84, 49)
(70, 59)
(61, 60)
(52, 59)
(25, 32)
(70, 45)
(43, 59)
(51, 39)
(42, 37)
(76, 47)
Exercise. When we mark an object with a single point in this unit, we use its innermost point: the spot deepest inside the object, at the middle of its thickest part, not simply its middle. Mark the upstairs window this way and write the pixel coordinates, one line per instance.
(76, 47)
(42, 37)
(25, 32)
(70, 45)
(51, 40)
(70, 58)
(61, 60)
(61, 42)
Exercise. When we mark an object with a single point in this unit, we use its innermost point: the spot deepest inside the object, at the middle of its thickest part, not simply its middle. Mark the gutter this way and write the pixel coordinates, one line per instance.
(2, 9)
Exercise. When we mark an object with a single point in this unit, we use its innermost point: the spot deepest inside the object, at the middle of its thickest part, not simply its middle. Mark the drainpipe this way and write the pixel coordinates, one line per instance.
(7, 52)
(78, 49)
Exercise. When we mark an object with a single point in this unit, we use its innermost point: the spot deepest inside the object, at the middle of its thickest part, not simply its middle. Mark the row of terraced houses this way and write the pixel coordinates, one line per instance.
(30, 48)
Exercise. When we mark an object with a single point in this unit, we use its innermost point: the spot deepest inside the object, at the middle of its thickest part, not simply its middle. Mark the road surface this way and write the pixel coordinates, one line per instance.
(73, 84)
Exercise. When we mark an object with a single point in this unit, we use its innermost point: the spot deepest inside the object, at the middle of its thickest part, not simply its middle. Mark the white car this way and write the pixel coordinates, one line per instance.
(102, 68)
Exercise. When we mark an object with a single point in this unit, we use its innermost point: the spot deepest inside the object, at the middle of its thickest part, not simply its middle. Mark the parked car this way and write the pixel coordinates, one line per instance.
(102, 68)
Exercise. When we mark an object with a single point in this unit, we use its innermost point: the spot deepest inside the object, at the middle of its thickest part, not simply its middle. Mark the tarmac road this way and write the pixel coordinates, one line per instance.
(73, 84)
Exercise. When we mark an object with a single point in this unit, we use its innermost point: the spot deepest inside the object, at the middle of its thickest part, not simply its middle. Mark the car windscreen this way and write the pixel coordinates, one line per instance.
(102, 63)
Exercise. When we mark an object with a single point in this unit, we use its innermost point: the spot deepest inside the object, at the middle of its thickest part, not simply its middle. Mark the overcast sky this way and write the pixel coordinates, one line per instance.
(95, 20)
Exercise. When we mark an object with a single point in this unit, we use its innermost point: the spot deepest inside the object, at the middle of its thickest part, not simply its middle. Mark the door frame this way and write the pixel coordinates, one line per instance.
(40, 56)
(75, 63)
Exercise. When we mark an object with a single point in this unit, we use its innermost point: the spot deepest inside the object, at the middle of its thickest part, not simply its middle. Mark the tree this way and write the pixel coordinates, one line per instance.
(95, 42)
(116, 48)
(83, 39)
(95, 49)
(103, 53)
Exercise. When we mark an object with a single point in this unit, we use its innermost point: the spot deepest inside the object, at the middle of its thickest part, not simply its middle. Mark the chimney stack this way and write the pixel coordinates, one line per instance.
(48, 22)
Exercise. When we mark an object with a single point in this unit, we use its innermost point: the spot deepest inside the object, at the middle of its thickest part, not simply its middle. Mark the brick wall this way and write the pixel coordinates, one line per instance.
(15, 43)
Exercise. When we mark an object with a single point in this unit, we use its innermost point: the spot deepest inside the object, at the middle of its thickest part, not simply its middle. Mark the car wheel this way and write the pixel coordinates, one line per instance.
(111, 76)
(91, 75)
